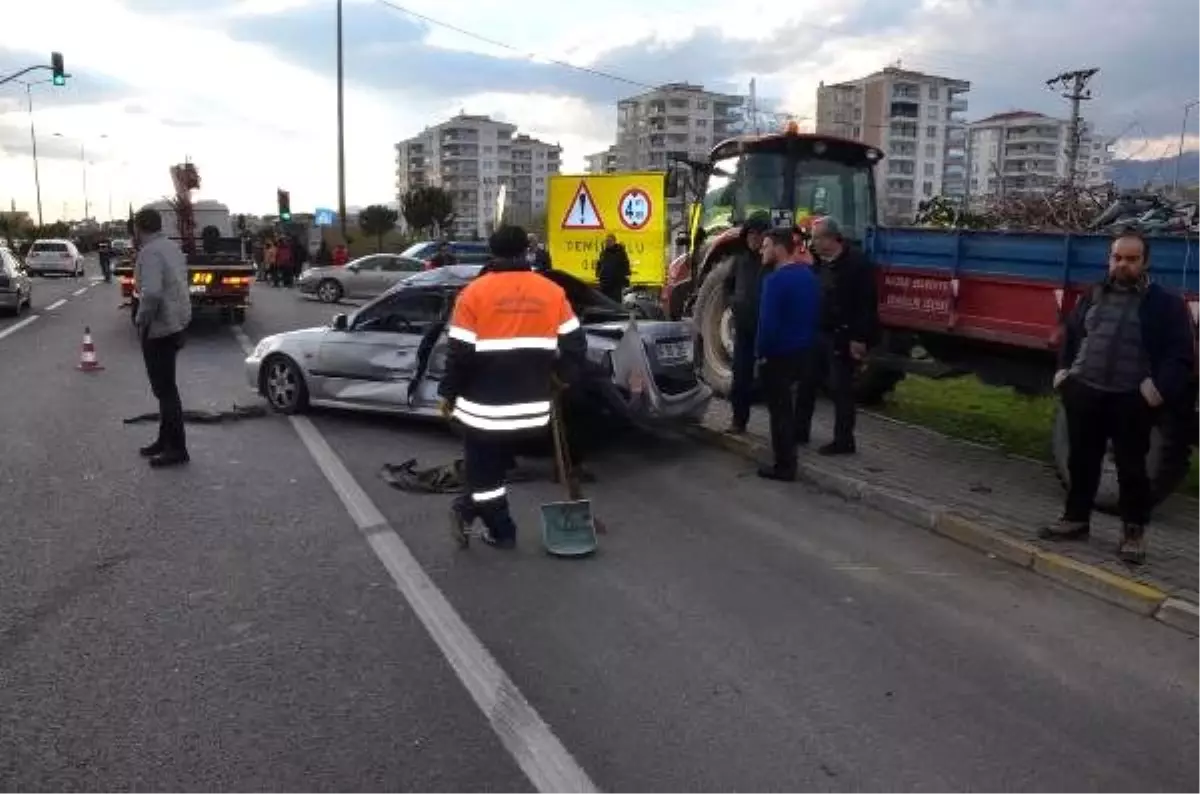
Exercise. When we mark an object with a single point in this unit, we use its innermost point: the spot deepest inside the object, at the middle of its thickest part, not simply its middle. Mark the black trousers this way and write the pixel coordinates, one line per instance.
(741, 391)
(1094, 418)
(486, 458)
(160, 355)
(781, 375)
(612, 289)
(831, 363)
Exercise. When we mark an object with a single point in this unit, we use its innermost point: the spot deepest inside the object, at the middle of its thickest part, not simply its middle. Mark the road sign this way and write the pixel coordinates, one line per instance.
(636, 208)
(581, 212)
(324, 217)
(584, 209)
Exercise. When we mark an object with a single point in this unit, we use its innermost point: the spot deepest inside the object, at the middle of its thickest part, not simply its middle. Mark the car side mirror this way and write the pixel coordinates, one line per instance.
(340, 322)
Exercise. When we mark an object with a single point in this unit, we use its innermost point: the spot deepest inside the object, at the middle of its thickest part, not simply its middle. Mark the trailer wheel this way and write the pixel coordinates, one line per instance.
(1167, 461)
(876, 380)
(714, 321)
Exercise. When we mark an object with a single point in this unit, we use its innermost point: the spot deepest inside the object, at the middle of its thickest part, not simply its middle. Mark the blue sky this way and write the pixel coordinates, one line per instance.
(245, 87)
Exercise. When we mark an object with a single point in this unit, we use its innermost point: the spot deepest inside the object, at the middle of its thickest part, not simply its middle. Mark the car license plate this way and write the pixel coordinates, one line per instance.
(198, 289)
(674, 352)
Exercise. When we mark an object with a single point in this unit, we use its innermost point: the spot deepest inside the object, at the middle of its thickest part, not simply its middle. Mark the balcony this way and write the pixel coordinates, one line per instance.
(957, 105)
(907, 131)
(910, 91)
(460, 152)
(905, 110)
(1032, 134)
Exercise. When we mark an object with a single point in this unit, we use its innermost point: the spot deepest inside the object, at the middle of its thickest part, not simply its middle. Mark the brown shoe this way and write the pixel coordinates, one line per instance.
(1062, 529)
(1132, 548)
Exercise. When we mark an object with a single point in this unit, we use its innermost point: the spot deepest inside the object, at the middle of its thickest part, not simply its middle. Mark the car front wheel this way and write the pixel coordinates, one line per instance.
(283, 385)
(329, 291)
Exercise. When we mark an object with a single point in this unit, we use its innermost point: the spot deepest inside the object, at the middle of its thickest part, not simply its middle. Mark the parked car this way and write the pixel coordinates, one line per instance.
(365, 277)
(16, 288)
(54, 256)
(390, 355)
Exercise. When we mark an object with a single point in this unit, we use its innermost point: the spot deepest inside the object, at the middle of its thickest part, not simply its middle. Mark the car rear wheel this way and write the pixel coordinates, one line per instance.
(329, 291)
(283, 385)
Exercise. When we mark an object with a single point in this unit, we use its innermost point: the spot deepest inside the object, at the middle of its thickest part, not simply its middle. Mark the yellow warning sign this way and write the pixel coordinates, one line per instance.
(582, 210)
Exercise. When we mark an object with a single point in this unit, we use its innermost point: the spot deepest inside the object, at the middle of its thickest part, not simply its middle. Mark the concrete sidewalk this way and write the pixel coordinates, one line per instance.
(911, 467)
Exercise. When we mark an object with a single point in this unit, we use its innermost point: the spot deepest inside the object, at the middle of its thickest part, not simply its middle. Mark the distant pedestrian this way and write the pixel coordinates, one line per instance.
(105, 253)
(613, 271)
(443, 257)
(299, 258)
(537, 256)
(164, 311)
(282, 275)
(849, 326)
(269, 251)
(787, 331)
(324, 256)
(1127, 354)
(340, 255)
(744, 287)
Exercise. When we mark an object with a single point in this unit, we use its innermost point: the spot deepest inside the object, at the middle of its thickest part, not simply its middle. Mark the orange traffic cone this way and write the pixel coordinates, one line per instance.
(87, 356)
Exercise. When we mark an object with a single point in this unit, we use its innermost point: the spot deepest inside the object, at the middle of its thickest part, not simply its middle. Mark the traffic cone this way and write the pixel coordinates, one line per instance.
(87, 356)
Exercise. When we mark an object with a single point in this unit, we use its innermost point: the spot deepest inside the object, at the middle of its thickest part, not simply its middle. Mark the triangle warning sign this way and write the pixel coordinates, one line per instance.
(582, 212)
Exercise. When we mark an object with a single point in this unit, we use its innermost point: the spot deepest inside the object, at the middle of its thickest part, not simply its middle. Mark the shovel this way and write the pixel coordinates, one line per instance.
(568, 528)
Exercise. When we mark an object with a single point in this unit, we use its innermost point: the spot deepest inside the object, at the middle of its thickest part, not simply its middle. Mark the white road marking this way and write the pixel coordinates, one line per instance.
(12, 329)
(56, 304)
(522, 731)
(80, 291)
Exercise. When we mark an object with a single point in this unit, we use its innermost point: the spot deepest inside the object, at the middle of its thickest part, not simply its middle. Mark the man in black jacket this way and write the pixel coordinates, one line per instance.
(849, 323)
(1127, 353)
(743, 287)
(612, 269)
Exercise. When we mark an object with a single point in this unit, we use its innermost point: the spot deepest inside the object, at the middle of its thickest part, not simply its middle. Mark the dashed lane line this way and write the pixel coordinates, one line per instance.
(522, 731)
(56, 304)
(80, 291)
(12, 329)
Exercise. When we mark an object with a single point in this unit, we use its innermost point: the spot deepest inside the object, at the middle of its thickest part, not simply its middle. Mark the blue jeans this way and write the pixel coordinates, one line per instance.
(741, 392)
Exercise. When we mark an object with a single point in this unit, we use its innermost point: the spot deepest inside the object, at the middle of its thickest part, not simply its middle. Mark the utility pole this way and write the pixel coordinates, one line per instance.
(1074, 87)
(341, 127)
(37, 179)
(1179, 156)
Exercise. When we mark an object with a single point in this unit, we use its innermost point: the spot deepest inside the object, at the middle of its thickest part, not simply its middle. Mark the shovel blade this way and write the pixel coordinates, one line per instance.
(568, 528)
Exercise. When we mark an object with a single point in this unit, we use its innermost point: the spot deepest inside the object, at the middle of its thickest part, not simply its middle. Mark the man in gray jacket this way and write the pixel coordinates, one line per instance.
(164, 311)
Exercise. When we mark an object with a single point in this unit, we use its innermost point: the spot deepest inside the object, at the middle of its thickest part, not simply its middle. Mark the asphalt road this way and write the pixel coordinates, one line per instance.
(243, 624)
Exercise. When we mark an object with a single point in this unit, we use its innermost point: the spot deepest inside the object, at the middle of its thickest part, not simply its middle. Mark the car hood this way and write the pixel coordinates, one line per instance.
(321, 272)
(297, 343)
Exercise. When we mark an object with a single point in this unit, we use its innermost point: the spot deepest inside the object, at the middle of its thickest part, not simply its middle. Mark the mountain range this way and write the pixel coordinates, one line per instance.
(1161, 172)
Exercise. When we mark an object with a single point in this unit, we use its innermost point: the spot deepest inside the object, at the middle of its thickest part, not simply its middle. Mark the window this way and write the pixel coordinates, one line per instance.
(397, 264)
(858, 114)
(927, 188)
(857, 132)
(931, 112)
(933, 92)
(369, 263)
(701, 122)
(931, 132)
(931, 150)
(406, 311)
(929, 169)
(701, 139)
(702, 104)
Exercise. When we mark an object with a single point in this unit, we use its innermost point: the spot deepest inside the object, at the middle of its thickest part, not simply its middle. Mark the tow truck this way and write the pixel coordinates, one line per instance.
(974, 302)
(220, 273)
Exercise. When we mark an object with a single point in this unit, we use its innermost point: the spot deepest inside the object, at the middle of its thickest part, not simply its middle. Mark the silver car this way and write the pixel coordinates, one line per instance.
(390, 355)
(16, 287)
(365, 277)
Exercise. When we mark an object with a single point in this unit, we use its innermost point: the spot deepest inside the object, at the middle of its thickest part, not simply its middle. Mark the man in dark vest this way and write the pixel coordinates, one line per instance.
(1127, 351)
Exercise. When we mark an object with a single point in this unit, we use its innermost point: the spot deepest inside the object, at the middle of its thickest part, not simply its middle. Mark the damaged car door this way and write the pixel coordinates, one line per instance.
(373, 361)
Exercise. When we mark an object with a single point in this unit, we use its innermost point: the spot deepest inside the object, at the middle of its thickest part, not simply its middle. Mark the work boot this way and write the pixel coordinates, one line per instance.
(506, 543)
(1132, 548)
(837, 448)
(169, 457)
(777, 474)
(1062, 529)
(150, 450)
(460, 528)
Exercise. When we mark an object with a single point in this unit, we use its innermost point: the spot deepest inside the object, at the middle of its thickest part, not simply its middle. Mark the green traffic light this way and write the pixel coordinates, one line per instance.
(60, 79)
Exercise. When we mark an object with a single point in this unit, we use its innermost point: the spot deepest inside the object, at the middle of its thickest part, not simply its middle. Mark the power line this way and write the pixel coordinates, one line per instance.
(1074, 86)
(511, 48)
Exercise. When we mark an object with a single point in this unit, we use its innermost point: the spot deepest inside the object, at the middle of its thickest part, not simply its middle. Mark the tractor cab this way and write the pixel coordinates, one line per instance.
(792, 177)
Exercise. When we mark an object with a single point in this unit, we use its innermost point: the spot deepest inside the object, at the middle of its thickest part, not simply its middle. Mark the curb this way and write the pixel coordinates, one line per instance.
(977, 534)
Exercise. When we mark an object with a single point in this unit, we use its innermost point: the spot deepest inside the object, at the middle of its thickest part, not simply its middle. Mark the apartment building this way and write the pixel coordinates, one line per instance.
(1026, 153)
(604, 162)
(674, 119)
(471, 157)
(917, 120)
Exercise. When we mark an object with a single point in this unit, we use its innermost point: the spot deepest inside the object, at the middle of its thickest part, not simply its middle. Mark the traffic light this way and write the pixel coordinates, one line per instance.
(285, 205)
(56, 66)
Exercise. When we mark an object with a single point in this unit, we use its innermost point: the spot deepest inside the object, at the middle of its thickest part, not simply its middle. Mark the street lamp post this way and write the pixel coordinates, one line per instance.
(1182, 133)
(341, 131)
(37, 178)
(83, 164)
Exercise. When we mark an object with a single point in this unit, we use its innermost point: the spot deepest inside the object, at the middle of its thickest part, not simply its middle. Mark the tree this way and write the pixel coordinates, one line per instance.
(377, 220)
(428, 209)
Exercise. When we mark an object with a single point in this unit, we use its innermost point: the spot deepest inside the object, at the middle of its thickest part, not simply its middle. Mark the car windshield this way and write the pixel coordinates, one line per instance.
(417, 250)
(754, 182)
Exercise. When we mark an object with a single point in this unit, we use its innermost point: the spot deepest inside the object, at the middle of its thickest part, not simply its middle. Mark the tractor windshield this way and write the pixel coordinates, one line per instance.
(754, 181)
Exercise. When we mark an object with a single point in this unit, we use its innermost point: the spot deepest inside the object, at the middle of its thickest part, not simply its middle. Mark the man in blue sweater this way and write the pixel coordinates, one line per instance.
(788, 319)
